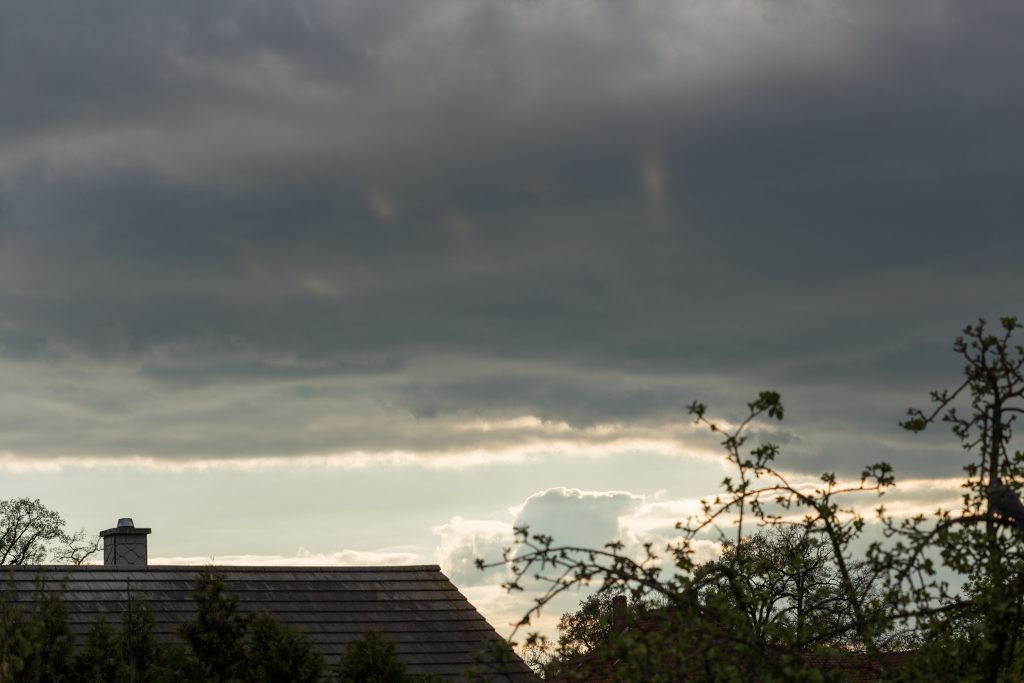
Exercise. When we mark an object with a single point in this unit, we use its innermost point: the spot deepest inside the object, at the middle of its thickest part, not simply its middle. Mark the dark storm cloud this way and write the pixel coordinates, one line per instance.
(249, 195)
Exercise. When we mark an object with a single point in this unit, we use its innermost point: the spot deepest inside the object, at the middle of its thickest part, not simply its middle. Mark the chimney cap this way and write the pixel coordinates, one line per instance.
(125, 527)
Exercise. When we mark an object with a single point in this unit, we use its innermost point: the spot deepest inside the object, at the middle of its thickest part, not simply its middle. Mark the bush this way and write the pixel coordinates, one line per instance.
(371, 659)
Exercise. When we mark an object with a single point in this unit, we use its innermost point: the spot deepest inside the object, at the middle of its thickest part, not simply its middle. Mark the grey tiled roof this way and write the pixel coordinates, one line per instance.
(435, 628)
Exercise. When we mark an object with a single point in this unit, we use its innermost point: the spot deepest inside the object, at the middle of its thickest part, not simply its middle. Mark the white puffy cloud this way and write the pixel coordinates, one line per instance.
(574, 517)
(462, 541)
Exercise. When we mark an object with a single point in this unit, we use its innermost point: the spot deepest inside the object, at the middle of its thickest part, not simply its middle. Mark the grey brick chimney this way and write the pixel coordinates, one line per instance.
(124, 545)
(619, 614)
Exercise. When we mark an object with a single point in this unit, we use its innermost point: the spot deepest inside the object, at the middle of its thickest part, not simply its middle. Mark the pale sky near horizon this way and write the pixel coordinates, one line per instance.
(372, 281)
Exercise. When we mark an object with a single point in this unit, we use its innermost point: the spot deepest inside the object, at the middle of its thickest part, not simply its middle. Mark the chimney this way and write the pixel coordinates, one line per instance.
(618, 614)
(124, 545)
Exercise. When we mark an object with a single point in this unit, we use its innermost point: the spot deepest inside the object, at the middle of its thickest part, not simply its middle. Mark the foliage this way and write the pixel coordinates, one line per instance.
(138, 645)
(589, 627)
(787, 585)
(102, 659)
(225, 645)
(36, 644)
(30, 533)
(54, 657)
(75, 548)
(758, 490)
(977, 633)
(371, 659)
(542, 657)
(782, 581)
(216, 637)
(17, 642)
(789, 598)
(374, 659)
(582, 633)
(128, 654)
(279, 653)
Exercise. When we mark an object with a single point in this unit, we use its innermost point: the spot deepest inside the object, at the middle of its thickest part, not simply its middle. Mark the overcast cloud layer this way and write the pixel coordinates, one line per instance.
(444, 228)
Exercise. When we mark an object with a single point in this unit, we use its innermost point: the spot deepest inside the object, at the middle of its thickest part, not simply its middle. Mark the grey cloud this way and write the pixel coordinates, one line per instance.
(203, 374)
(187, 197)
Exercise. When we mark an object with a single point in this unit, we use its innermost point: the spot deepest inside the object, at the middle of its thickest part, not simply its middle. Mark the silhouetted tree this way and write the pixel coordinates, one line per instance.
(787, 585)
(102, 658)
(589, 627)
(75, 548)
(30, 533)
(216, 636)
(977, 633)
(226, 645)
(277, 652)
(52, 644)
(735, 619)
(371, 659)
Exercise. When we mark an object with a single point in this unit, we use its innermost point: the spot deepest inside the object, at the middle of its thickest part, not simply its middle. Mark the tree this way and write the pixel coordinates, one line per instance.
(280, 653)
(102, 659)
(216, 637)
(76, 548)
(371, 659)
(542, 658)
(788, 586)
(588, 628)
(780, 584)
(36, 644)
(976, 634)
(226, 645)
(17, 645)
(30, 533)
(139, 646)
(53, 660)
(713, 639)
(582, 633)
(739, 617)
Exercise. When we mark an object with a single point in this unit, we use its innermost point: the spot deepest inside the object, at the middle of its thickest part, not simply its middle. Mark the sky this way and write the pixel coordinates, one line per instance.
(369, 282)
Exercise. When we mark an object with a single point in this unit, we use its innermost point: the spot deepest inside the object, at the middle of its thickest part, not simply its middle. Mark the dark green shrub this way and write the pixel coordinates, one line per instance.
(371, 659)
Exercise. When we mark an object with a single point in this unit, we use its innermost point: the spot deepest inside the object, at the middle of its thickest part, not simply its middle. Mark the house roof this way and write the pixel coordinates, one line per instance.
(435, 628)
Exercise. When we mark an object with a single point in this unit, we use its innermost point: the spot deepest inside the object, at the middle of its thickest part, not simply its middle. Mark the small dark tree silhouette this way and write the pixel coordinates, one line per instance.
(371, 659)
(216, 637)
(226, 645)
